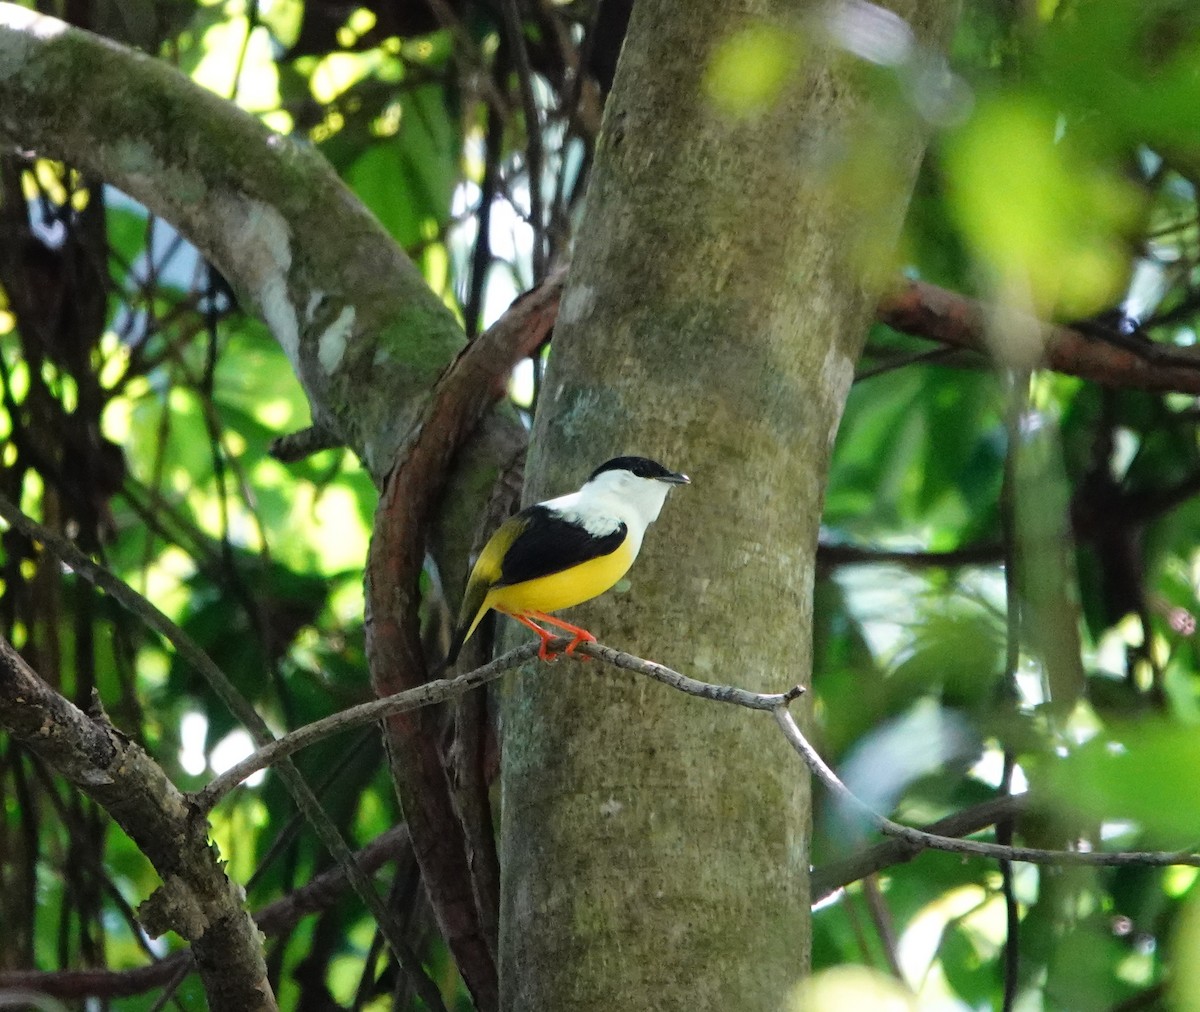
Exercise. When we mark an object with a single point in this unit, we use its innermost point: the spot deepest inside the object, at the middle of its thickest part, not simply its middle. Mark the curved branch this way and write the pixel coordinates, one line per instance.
(363, 330)
(196, 899)
(440, 690)
(957, 321)
(829, 878)
(403, 522)
(922, 840)
(426, 694)
(906, 841)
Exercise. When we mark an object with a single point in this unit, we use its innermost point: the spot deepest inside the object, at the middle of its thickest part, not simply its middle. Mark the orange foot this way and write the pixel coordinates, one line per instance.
(583, 636)
(579, 635)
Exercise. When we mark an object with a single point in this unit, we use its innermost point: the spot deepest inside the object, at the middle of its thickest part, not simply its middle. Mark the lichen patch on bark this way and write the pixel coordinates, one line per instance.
(259, 246)
(331, 346)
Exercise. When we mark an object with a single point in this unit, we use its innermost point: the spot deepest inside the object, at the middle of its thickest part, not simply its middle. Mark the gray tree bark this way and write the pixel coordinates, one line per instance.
(655, 848)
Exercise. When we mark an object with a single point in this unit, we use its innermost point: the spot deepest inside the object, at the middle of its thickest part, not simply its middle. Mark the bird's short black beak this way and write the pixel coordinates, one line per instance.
(672, 478)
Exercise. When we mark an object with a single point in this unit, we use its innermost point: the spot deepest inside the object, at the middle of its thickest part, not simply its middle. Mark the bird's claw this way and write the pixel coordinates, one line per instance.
(577, 641)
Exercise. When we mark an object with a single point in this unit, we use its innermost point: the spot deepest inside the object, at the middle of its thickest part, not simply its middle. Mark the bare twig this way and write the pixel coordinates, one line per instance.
(472, 63)
(1008, 887)
(829, 878)
(295, 446)
(693, 687)
(836, 554)
(903, 361)
(909, 840)
(481, 254)
(885, 930)
(426, 694)
(534, 157)
(932, 841)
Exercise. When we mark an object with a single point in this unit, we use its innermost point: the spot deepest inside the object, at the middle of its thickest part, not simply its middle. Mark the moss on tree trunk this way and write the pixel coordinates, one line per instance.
(654, 846)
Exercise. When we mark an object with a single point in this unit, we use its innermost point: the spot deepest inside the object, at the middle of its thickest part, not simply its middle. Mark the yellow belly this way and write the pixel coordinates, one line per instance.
(565, 589)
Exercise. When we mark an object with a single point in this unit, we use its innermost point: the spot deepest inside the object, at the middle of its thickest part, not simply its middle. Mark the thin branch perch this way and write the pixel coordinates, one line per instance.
(906, 840)
(442, 689)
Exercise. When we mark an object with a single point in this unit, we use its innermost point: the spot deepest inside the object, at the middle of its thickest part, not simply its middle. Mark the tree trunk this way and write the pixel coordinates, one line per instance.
(654, 846)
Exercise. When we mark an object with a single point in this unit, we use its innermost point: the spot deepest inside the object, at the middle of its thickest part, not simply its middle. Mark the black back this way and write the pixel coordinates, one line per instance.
(549, 544)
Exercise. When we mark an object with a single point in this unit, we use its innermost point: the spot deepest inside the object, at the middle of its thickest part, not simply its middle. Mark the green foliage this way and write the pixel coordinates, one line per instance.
(1064, 190)
(1060, 183)
(407, 179)
(1117, 777)
(1043, 220)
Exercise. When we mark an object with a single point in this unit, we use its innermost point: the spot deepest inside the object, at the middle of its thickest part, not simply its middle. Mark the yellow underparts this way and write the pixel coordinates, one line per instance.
(560, 590)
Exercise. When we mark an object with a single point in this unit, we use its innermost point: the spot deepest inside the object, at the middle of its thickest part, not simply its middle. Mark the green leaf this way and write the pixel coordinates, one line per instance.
(1143, 773)
(407, 179)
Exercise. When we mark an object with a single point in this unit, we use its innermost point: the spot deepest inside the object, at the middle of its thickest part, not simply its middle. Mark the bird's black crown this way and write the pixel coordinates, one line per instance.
(643, 467)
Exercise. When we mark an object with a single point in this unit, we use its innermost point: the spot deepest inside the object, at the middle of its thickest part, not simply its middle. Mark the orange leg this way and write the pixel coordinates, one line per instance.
(544, 636)
(581, 635)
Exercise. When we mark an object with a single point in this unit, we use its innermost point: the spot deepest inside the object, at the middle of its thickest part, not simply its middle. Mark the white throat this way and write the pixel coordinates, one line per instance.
(613, 498)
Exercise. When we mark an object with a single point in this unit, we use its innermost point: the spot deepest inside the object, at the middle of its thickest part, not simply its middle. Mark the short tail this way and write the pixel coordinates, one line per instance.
(473, 609)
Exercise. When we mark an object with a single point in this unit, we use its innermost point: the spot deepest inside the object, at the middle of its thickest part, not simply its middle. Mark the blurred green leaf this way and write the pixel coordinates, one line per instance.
(749, 70)
(1141, 773)
(1083, 966)
(1045, 221)
(407, 180)
(956, 655)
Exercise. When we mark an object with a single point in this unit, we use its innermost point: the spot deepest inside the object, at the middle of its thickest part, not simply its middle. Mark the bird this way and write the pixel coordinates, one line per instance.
(561, 552)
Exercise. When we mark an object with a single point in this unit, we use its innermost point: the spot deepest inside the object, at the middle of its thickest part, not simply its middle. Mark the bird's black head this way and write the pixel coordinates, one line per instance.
(642, 467)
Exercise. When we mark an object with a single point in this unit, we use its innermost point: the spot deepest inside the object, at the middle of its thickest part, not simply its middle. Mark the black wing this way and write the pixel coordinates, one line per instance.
(549, 544)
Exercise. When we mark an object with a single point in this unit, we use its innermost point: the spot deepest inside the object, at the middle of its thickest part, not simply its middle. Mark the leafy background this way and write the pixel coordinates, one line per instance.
(1009, 563)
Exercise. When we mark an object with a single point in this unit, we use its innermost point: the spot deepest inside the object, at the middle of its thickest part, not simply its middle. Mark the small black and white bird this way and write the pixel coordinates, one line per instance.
(562, 552)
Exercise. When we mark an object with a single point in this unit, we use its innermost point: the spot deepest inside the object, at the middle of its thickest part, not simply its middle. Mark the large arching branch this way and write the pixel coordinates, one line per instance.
(366, 336)
(364, 332)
